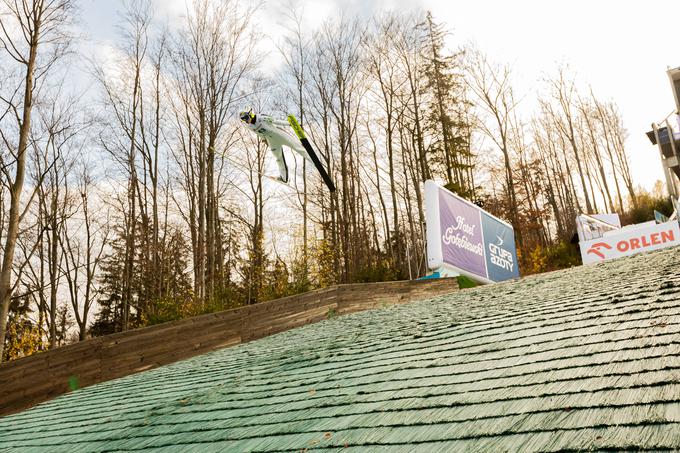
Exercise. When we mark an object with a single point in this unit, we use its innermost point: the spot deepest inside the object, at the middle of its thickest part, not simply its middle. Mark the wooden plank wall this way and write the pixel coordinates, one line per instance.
(43, 376)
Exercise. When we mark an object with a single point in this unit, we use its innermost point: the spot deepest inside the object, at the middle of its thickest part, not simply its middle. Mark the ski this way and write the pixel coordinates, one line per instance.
(308, 147)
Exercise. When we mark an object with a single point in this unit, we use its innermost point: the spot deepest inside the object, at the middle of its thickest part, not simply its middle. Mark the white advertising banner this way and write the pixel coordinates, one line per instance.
(466, 239)
(588, 230)
(630, 241)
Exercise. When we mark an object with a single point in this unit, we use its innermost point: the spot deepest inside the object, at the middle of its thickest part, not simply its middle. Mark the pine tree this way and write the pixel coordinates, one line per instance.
(446, 119)
(109, 319)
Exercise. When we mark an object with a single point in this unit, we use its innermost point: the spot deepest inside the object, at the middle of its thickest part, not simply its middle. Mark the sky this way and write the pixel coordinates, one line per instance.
(621, 49)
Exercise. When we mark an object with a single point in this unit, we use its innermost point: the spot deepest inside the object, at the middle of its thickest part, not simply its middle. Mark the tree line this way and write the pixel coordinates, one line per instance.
(141, 199)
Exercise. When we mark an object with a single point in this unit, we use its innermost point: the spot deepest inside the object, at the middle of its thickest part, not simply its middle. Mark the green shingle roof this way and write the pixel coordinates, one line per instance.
(587, 358)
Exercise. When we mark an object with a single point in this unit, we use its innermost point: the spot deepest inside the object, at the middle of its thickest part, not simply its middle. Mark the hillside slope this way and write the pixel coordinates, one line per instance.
(583, 358)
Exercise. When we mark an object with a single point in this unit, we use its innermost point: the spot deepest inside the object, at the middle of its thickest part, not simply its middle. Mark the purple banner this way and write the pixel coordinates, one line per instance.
(461, 232)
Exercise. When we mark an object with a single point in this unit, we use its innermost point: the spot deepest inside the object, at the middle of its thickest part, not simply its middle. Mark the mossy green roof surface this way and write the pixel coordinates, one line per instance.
(587, 358)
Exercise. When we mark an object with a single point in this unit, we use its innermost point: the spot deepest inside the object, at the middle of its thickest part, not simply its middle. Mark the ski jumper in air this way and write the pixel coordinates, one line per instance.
(272, 131)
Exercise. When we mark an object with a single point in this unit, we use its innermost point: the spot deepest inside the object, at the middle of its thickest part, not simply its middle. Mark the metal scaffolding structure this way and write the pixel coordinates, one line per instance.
(668, 140)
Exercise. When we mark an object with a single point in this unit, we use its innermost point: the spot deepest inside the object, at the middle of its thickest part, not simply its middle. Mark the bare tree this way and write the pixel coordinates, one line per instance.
(341, 87)
(83, 251)
(588, 114)
(53, 163)
(296, 55)
(134, 136)
(210, 64)
(563, 91)
(387, 88)
(35, 36)
(491, 85)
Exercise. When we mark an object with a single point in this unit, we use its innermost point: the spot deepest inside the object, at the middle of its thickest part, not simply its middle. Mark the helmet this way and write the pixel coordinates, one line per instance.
(247, 117)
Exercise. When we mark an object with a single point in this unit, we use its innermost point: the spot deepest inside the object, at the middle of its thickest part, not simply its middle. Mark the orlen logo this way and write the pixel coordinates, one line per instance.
(640, 242)
(595, 249)
(645, 241)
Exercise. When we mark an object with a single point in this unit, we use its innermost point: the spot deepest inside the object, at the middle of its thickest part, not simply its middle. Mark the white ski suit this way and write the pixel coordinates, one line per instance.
(272, 131)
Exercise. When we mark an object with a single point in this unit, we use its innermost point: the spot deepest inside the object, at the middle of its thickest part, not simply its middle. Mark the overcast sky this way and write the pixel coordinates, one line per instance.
(621, 48)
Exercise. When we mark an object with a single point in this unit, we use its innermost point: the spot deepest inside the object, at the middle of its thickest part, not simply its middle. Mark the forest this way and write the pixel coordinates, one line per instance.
(131, 195)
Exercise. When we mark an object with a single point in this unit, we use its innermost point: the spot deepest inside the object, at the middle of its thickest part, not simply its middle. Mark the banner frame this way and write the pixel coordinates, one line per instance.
(435, 255)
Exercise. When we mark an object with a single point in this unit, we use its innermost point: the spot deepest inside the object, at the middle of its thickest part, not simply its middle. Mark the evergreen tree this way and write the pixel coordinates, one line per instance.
(23, 336)
(109, 319)
(175, 299)
(446, 119)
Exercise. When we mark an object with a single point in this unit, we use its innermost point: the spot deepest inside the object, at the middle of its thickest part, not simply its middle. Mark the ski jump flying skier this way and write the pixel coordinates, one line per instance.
(272, 130)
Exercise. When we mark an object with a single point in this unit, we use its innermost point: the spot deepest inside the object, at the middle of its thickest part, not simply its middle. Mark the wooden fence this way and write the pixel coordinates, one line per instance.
(30, 380)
